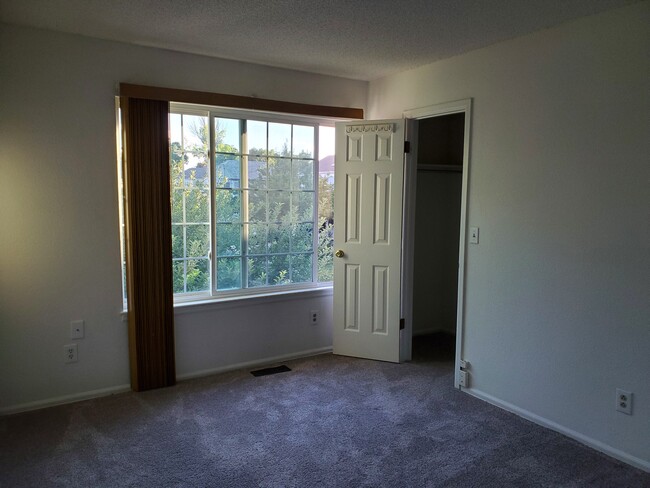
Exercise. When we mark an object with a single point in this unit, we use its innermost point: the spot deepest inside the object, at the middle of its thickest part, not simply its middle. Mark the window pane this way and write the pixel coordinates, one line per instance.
(195, 133)
(326, 142)
(279, 173)
(198, 240)
(257, 239)
(257, 206)
(301, 268)
(227, 135)
(228, 205)
(302, 174)
(228, 273)
(256, 137)
(228, 240)
(302, 237)
(177, 241)
(197, 206)
(257, 173)
(227, 171)
(279, 206)
(303, 141)
(302, 206)
(175, 130)
(279, 238)
(278, 269)
(257, 272)
(198, 275)
(279, 139)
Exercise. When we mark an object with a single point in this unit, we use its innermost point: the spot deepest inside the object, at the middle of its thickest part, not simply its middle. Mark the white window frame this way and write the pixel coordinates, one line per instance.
(215, 112)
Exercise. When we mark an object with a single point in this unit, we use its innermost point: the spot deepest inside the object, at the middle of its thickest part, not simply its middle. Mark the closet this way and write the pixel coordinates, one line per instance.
(437, 223)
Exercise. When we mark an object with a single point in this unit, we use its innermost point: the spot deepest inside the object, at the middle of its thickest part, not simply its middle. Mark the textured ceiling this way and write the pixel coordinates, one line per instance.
(355, 39)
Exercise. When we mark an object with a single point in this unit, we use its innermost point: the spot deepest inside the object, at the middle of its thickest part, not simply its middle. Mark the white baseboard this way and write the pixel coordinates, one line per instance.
(256, 362)
(60, 400)
(593, 443)
(87, 395)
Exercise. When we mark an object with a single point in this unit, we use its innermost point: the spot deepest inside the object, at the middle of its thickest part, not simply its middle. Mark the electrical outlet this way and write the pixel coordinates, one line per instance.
(313, 317)
(624, 401)
(464, 379)
(70, 353)
(77, 329)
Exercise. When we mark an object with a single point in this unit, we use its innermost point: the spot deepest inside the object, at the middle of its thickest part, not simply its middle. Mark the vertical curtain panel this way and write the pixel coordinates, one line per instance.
(145, 125)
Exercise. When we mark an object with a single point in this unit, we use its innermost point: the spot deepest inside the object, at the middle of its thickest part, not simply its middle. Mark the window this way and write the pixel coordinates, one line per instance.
(251, 200)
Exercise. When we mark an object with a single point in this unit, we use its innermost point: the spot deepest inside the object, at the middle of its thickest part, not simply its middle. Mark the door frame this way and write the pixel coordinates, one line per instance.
(410, 180)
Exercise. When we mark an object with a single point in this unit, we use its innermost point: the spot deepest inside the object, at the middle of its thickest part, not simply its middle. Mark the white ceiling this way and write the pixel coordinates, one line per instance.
(356, 39)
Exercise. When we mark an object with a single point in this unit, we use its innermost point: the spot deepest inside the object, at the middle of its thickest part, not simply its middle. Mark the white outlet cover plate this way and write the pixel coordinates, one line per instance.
(473, 235)
(70, 353)
(624, 401)
(77, 329)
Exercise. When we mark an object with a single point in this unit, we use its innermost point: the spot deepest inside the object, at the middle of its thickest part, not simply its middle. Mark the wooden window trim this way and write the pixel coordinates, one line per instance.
(236, 101)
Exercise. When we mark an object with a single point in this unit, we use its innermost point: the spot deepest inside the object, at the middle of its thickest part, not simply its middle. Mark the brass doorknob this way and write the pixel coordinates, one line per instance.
(339, 253)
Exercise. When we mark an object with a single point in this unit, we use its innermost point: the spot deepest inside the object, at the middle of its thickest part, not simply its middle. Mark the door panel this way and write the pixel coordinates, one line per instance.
(369, 172)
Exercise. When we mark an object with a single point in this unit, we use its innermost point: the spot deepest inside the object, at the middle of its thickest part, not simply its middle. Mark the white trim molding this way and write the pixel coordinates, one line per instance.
(458, 106)
(64, 399)
(369, 128)
(583, 439)
(255, 362)
(87, 395)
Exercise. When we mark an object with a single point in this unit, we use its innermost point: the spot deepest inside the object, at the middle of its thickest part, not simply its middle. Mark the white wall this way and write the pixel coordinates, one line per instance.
(557, 293)
(59, 247)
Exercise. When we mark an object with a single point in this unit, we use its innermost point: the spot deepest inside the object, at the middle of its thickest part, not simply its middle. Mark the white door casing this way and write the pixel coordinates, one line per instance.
(458, 106)
(369, 177)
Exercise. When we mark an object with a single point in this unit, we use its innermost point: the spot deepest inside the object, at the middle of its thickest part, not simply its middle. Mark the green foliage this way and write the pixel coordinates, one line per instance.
(325, 230)
(325, 252)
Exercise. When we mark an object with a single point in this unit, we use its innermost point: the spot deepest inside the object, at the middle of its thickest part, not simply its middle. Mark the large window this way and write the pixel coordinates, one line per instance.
(251, 201)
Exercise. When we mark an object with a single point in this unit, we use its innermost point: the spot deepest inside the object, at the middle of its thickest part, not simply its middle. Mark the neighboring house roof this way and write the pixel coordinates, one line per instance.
(326, 164)
(200, 173)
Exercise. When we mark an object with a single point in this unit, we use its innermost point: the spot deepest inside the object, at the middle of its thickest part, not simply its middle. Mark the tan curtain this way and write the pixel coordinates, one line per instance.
(145, 125)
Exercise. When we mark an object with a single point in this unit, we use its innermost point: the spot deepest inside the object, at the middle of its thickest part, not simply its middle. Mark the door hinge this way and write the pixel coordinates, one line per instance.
(407, 147)
(401, 324)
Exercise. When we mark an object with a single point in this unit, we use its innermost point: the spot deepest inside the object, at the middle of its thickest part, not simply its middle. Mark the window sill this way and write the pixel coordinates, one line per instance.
(220, 303)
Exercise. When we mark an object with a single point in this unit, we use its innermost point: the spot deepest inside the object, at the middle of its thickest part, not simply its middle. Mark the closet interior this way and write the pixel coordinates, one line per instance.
(437, 223)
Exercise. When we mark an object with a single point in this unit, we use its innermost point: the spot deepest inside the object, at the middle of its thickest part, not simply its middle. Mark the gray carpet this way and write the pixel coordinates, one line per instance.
(331, 421)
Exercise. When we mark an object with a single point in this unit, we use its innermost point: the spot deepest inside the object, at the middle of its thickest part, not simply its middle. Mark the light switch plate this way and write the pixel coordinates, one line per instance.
(473, 235)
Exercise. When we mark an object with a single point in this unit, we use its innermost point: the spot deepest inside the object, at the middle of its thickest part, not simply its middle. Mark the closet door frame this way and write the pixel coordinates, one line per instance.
(410, 180)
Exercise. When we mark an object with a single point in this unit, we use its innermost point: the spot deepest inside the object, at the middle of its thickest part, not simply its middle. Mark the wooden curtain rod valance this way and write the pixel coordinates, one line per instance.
(236, 101)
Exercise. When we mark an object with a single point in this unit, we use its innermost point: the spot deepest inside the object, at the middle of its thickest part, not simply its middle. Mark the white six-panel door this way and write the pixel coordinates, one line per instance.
(369, 174)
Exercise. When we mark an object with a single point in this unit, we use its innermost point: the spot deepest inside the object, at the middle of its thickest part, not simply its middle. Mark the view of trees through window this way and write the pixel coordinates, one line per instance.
(263, 203)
